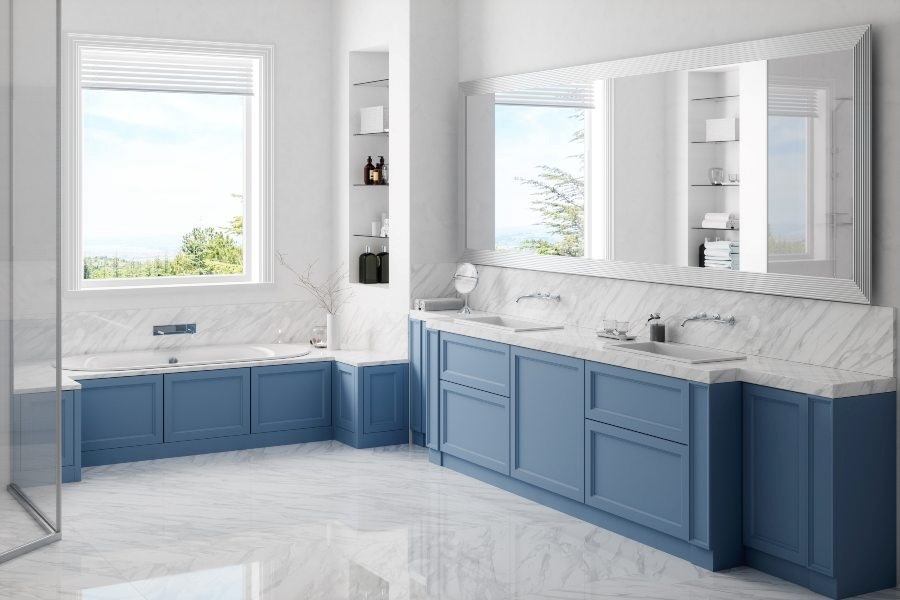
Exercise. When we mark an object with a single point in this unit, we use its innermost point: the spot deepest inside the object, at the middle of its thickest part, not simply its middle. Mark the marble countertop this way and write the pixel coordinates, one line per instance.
(35, 377)
(583, 343)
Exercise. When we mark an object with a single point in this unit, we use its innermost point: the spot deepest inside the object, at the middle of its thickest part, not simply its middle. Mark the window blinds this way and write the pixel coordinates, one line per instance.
(793, 101)
(573, 95)
(126, 69)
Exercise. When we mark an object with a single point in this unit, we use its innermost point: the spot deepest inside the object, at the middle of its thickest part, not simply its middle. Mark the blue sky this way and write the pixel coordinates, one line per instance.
(155, 165)
(787, 177)
(526, 137)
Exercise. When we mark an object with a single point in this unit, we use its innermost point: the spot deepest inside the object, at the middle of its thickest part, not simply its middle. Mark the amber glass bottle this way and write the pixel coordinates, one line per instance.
(367, 171)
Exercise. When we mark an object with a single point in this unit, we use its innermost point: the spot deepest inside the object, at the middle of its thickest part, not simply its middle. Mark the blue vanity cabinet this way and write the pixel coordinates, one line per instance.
(369, 405)
(207, 404)
(289, 397)
(474, 426)
(475, 363)
(385, 399)
(547, 421)
(417, 381)
(644, 402)
(431, 353)
(121, 412)
(638, 477)
(70, 440)
(819, 495)
(346, 391)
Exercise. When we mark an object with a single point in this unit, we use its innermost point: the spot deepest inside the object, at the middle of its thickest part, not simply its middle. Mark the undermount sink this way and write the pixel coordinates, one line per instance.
(507, 323)
(677, 352)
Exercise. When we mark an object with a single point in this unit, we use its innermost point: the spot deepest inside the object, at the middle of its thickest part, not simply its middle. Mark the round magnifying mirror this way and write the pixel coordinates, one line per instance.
(464, 280)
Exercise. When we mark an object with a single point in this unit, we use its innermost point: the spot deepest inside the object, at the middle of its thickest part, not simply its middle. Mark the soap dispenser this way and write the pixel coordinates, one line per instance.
(368, 267)
(657, 328)
(367, 171)
(383, 265)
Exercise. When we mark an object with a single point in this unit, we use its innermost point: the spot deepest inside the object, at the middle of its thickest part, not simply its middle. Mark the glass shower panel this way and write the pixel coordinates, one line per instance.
(29, 293)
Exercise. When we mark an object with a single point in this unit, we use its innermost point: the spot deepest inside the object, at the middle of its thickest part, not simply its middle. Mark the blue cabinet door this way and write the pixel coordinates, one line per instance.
(639, 477)
(475, 363)
(385, 398)
(546, 436)
(207, 404)
(475, 426)
(776, 472)
(121, 412)
(416, 378)
(643, 402)
(286, 397)
(431, 375)
(346, 392)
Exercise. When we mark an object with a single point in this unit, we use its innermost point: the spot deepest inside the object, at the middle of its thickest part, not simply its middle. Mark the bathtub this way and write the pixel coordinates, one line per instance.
(183, 357)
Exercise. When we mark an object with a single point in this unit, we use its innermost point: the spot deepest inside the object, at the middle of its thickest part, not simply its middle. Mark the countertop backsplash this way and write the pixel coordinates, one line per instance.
(833, 334)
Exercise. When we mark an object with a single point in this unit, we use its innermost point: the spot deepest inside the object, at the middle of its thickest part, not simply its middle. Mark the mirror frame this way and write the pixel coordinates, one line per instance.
(857, 290)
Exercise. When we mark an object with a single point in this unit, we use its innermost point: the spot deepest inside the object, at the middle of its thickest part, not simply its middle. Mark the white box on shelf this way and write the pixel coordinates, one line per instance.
(373, 119)
(722, 130)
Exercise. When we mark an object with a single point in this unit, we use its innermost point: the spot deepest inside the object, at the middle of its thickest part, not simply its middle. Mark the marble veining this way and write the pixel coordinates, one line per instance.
(326, 521)
(582, 342)
(844, 336)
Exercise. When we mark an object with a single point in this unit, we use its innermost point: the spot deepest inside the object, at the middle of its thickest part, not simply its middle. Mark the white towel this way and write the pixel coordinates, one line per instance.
(720, 217)
(723, 244)
(707, 224)
(438, 303)
(719, 267)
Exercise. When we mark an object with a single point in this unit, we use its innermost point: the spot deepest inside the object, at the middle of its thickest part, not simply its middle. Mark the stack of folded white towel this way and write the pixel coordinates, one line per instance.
(722, 254)
(720, 221)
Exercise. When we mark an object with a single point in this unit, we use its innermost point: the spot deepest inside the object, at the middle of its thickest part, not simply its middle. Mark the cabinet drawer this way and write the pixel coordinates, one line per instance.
(121, 412)
(644, 402)
(638, 477)
(475, 426)
(286, 397)
(475, 363)
(207, 404)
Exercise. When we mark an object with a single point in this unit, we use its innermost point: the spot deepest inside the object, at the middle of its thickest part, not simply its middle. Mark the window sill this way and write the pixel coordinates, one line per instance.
(121, 290)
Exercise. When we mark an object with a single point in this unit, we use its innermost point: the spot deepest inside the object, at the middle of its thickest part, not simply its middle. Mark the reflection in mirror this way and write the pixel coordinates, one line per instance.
(743, 167)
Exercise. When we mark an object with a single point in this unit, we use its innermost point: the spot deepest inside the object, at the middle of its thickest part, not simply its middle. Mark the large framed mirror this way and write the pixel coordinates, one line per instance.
(741, 167)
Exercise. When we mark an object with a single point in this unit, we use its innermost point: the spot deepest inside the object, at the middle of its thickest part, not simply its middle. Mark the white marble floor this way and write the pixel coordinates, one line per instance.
(17, 528)
(326, 521)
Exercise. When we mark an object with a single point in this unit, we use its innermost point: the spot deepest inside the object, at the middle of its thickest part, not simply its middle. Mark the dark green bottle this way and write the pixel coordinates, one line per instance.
(368, 267)
(384, 260)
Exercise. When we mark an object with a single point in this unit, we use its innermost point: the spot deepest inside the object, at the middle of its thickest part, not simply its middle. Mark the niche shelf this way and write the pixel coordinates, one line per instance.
(368, 85)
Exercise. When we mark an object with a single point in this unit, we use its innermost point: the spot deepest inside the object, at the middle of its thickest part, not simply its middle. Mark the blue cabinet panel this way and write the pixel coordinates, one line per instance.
(475, 363)
(475, 426)
(643, 402)
(121, 412)
(776, 472)
(346, 392)
(67, 434)
(385, 398)
(821, 486)
(638, 477)
(547, 403)
(207, 404)
(285, 397)
(417, 379)
(431, 352)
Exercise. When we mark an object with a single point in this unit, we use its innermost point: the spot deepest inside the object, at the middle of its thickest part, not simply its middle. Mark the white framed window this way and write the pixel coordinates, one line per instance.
(167, 163)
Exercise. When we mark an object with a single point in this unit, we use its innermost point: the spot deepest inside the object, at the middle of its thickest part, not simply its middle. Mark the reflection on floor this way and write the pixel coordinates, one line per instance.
(17, 528)
(326, 521)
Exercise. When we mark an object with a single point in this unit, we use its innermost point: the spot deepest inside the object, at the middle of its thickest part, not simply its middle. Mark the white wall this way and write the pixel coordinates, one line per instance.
(514, 36)
(300, 30)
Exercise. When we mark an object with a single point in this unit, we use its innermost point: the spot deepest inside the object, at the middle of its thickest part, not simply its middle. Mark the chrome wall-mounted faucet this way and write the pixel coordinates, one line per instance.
(190, 328)
(715, 318)
(540, 296)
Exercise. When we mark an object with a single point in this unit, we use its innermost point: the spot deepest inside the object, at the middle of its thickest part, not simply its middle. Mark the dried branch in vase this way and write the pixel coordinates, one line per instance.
(331, 294)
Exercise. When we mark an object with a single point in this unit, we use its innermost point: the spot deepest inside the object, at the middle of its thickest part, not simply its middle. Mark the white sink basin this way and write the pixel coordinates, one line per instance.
(677, 352)
(507, 323)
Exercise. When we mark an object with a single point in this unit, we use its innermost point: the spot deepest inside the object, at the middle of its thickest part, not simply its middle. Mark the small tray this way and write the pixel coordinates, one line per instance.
(613, 336)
